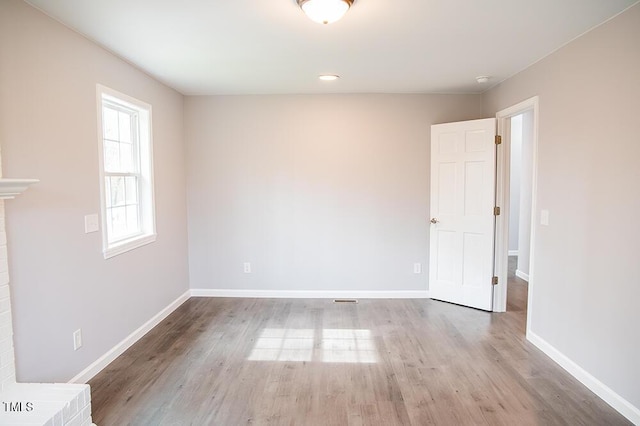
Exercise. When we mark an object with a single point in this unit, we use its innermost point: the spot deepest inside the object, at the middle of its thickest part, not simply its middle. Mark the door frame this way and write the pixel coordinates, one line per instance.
(503, 165)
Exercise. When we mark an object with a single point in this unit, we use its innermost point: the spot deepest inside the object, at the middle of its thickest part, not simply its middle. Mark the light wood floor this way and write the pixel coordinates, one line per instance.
(313, 362)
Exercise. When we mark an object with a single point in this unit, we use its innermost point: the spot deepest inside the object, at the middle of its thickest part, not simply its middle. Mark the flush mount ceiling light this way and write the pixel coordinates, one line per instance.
(482, 79)
(325, 11)
(328, 77)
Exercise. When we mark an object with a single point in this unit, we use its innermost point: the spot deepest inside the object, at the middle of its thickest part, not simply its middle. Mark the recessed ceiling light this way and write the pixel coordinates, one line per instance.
(328, 77)
(325, 11)
(482, 79)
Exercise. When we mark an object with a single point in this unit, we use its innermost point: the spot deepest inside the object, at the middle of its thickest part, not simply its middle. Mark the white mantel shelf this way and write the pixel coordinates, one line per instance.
(9, 188)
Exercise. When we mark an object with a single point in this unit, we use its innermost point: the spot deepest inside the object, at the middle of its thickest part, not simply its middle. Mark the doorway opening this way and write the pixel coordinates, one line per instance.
(520, 138)
(516, 194)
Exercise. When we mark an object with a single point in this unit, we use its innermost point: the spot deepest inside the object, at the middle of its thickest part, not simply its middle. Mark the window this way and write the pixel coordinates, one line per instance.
(126, 172)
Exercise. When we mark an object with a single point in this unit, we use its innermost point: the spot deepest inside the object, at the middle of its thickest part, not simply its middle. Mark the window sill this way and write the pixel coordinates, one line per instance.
(128, 245)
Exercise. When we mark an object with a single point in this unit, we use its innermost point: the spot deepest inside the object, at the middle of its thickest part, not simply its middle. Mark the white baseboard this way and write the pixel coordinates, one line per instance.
(620, 404)
(513, 252)
(88, 373)
(309, 294)
(522, 275)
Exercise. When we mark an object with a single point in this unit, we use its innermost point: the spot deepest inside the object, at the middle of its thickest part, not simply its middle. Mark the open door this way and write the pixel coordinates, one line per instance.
(463, 171)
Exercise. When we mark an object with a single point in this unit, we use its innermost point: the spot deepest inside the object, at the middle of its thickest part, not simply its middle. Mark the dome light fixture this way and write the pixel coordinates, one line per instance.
(325, 11)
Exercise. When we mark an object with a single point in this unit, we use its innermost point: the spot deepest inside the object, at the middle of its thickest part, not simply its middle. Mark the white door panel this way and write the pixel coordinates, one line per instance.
(462, 201)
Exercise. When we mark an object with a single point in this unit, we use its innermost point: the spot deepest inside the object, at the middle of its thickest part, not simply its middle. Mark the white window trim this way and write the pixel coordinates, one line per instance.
(149, 222)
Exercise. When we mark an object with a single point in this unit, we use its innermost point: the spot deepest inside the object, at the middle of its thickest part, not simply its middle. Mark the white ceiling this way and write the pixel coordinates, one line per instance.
(381, 46)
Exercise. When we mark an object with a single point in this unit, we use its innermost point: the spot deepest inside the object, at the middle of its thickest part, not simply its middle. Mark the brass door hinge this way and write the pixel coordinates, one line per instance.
(498, 139)
(494, 281)
(496, 211)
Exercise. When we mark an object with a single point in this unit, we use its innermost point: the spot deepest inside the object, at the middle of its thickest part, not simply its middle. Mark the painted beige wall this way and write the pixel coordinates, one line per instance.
(319, 193)
(526, 189)
(514, 181)
(586, 285)
(59, 279)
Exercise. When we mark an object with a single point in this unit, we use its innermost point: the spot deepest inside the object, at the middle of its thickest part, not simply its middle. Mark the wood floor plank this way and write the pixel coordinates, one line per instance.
(313, 362)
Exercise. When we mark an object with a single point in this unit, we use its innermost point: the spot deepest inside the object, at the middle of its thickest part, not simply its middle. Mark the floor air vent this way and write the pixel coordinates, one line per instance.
(345, 300)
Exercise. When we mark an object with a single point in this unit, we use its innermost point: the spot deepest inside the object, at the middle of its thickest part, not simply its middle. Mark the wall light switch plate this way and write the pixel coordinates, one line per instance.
(544, 217)
(417, 268)
(91, 223)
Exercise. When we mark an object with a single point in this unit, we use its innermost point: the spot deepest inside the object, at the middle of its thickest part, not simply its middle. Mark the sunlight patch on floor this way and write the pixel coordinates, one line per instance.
(306, 345)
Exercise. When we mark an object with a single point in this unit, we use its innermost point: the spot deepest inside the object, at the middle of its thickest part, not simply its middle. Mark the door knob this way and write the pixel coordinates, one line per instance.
(434, 220)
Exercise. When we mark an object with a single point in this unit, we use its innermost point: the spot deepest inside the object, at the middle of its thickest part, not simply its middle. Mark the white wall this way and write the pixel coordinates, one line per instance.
(514, 182)
(585, 278)
(319, 193)
(59, 279)
(526, 193)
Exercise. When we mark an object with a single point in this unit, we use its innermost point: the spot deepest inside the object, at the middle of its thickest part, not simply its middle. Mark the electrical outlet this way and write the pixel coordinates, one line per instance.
(77, 339)
(247, 267)
(417, 268)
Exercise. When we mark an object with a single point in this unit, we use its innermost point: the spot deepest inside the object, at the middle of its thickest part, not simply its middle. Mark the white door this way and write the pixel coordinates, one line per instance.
(463, 165)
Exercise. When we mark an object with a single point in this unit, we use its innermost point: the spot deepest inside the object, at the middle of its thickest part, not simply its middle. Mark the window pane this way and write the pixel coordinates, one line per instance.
(110, 123)
(107, 192)
(111, 156)
(131, 189)
(117, 191)
(119, 222)
(126, 158)
(109, 224)
(132, 219)
(125, 127)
